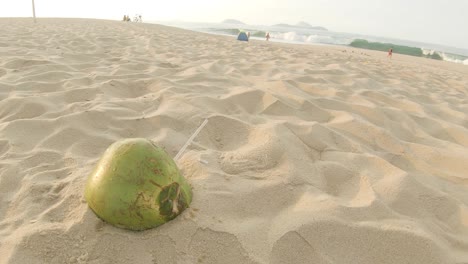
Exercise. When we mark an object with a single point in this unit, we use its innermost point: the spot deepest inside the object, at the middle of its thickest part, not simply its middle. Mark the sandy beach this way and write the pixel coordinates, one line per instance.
(312, 154)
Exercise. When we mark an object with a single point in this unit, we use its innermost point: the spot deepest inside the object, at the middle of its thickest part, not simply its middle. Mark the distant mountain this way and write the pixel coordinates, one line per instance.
(301, 25)
(283, 25)
(233, 21)
(304, 24)
(319, 28)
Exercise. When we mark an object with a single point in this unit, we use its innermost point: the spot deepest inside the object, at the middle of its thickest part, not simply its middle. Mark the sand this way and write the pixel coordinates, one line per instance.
(312, 154)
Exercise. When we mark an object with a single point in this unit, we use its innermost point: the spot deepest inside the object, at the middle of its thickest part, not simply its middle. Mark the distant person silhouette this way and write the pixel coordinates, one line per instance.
(390, 53)
(267, 36)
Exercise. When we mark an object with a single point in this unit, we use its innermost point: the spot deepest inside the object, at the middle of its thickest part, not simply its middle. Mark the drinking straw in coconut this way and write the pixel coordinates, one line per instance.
(189, 141)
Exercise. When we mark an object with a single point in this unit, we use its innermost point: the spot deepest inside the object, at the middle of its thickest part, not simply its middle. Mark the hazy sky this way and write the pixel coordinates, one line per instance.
(434, 21)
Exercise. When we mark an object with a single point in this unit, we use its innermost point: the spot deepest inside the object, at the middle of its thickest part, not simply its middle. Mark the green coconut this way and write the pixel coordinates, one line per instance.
(136, 185)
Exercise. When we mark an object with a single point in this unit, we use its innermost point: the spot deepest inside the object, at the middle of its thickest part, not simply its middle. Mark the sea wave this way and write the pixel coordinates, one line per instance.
(448, 56)
(288, 36)
(307, 38)
(314, 37)
(407, 50)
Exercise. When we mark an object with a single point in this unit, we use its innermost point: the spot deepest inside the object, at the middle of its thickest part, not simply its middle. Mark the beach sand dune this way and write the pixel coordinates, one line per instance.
(313, 155)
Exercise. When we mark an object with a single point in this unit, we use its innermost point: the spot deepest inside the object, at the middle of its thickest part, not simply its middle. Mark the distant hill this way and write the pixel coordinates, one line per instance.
(233, 21)
(304, 24)
(283, 25)
(301, 25)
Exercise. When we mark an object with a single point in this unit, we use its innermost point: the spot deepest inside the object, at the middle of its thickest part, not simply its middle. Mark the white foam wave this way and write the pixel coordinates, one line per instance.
(453, 58)
(320, 39)
(446, 56)
(428, 51)
(294, 36)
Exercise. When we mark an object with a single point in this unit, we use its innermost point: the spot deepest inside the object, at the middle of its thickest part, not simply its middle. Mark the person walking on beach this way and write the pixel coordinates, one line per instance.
(390, 52)
(267, 36)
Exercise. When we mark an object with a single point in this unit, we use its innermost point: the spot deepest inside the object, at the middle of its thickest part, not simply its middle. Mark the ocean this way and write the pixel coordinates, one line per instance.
(304, 35)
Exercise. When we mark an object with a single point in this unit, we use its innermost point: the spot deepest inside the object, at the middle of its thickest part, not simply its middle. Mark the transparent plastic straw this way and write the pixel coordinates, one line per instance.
(189, 141)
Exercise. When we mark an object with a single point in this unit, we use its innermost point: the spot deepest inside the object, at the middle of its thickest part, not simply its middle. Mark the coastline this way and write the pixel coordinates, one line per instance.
(320, 154)
(312, 36)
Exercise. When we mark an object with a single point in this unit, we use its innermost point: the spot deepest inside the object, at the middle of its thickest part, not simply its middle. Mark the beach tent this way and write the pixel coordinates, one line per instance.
(242, 36)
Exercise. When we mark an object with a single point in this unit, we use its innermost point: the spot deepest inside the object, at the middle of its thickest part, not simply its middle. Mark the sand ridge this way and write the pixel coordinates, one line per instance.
(314, 154)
